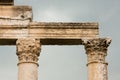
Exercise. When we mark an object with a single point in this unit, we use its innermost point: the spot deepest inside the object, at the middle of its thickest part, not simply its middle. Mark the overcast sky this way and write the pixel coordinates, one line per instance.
(69, 62)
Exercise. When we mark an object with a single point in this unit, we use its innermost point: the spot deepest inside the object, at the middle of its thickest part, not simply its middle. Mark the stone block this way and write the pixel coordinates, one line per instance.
(15, 13)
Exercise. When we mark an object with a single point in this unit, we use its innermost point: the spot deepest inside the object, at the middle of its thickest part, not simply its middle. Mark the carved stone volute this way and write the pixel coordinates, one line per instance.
(28, 50)
(96, 49)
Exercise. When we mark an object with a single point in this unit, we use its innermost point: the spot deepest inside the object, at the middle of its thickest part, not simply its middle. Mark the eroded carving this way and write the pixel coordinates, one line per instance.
(96, 49)
(28, 50)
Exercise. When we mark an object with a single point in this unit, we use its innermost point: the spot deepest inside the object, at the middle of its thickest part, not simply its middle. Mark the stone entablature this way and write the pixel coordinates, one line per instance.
(17, 28)
(72, 32)
(16, 22)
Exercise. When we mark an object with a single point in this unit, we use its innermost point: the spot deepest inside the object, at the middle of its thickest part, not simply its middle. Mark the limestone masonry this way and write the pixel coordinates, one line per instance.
(17, 28)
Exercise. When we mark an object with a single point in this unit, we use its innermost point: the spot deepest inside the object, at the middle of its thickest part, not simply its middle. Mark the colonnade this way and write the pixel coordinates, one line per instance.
(28, 51)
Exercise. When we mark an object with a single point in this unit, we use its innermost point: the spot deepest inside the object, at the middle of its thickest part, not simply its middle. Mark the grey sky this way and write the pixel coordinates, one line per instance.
(69, 62)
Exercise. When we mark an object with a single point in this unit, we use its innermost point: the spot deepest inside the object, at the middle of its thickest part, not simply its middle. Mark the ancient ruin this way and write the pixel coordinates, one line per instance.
(17, 28)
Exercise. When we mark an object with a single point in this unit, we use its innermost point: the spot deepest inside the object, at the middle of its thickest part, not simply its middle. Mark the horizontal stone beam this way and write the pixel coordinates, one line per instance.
(49, 33)
(63, 30)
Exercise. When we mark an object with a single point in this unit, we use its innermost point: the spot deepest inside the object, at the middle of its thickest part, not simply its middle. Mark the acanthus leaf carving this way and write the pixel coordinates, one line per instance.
(28, 50)
(96, 49)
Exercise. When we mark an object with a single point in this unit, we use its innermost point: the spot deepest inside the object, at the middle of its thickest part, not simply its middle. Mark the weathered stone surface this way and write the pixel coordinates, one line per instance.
(64, 33)
(97, 71)
(96, 50)
(27, 71)
(63, 30)
(28, 50)
(15, 22)
(16, 25)
(15, 13)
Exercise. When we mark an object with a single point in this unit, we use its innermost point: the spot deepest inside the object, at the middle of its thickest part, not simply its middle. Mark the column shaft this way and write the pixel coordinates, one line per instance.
(97, 71)
(96, 50)
(28, 51)
(27, 71)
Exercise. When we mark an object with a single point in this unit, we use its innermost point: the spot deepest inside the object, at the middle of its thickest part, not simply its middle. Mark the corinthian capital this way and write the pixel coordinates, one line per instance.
(96, 49)
(99, 44)
(28, 50)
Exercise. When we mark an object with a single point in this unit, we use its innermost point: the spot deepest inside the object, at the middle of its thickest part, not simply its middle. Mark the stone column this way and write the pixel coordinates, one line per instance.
(96, 50)
(28, 51)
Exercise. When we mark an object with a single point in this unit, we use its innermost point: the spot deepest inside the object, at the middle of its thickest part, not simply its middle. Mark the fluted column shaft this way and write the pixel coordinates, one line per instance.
(96, 50)
(28, 51)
